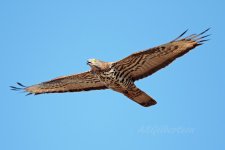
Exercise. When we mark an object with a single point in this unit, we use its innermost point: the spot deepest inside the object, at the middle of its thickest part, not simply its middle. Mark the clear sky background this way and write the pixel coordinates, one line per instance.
(41, 40)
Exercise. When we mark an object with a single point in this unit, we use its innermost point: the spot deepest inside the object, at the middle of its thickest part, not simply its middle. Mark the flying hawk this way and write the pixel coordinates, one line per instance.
(121, 75)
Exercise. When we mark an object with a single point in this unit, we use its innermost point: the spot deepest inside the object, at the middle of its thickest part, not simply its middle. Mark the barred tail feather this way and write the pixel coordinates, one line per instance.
(140, 97)
(144, 100)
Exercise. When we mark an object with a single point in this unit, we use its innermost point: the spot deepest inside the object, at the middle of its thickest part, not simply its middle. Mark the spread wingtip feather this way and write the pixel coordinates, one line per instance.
(20, 88)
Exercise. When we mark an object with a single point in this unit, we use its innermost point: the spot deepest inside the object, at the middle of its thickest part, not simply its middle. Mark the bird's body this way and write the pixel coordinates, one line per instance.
(121, 75)
(121, 81)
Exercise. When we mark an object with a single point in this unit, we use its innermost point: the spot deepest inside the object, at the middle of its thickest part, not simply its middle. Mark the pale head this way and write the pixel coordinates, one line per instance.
(95, 64)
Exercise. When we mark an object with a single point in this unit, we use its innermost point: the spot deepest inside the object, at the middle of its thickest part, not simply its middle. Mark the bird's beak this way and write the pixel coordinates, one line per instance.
(88, 62)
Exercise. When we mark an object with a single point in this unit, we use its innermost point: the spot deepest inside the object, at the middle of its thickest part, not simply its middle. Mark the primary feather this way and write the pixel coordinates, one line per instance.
(121, 75)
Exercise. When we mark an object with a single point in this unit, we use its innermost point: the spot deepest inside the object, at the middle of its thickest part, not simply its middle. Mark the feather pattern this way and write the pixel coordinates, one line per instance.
(74, 83)
(147, 62)
(121, 75)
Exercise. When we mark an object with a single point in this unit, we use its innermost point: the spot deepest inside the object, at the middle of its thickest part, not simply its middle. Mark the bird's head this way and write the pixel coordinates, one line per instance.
(96, 65)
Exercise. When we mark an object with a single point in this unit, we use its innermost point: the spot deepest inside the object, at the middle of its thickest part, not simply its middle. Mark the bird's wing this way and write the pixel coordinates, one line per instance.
(74, 83)
(147, 62)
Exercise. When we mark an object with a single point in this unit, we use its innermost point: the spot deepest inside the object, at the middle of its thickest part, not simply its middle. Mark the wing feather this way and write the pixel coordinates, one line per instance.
(74, 83)
(147, 62)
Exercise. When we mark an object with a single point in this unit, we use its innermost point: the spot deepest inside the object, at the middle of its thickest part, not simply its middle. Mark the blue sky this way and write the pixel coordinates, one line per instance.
(41, 40)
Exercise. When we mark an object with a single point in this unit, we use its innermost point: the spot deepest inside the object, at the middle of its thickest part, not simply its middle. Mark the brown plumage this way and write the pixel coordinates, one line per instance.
(121, 75)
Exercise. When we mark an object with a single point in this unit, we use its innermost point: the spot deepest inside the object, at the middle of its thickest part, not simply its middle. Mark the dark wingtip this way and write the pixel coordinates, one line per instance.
(28, 94)
(201, 39)
(198, 38)
(205, 31)
(180, 35)
(20, 88)
(20, 84)
(184, 33)
(15, 88)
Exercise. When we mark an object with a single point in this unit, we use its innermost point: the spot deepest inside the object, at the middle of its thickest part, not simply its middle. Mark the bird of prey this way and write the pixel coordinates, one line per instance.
(121, 75)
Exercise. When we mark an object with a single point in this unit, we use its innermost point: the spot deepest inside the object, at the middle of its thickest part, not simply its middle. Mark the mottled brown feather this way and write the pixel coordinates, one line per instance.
(127, 70)
(74, 83)
(140, 97)
(153, 59)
